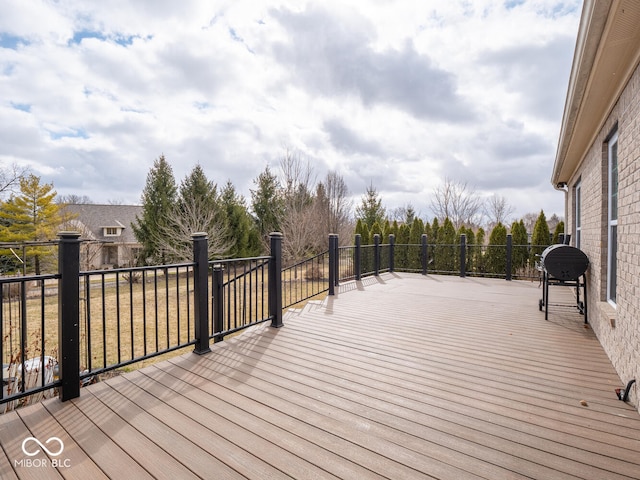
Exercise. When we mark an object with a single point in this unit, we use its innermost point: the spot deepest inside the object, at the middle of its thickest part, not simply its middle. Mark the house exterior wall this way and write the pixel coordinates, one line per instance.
(617, 328)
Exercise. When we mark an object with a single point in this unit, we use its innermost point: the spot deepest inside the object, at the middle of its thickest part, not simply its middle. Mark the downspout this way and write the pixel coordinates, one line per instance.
(562, 187)
(624, 396)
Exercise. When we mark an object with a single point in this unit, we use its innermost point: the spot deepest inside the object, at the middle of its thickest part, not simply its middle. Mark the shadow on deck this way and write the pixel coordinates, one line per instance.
(399, 376)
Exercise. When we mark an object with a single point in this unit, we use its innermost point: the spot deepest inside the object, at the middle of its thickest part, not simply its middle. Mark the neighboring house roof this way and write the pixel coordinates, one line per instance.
(606, 55)
(92, 220)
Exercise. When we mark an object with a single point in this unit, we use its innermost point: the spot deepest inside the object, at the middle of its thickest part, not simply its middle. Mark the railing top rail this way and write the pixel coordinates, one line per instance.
(307, 260)
(29, 278)
(234, 260)
(137, 269)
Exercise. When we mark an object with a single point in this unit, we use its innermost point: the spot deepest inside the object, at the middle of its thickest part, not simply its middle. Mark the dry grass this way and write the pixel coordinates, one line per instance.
(132, 318)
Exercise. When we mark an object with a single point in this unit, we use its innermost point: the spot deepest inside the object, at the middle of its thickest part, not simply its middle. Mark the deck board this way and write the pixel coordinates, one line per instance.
(398, 376)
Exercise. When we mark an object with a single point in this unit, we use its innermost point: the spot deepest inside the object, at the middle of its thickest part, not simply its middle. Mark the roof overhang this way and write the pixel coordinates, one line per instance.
(606, 55)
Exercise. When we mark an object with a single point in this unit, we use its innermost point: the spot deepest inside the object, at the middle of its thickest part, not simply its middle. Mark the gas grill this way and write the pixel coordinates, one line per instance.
(564, 265)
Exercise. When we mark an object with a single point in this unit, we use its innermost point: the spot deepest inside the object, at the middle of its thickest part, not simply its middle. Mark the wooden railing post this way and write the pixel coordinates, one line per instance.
(463, 255)
(69, 314)
(509, 252)
(392, 244)
(357, 260)
(424, 253)
(201, 292)
(275, 280)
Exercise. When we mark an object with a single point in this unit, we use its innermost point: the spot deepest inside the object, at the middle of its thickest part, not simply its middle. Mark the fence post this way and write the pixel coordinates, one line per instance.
(392, 245)
(69, 314)
(333, 263)
(217, 287)
(201, 291)
(424, 256)
(463, 255)
(509, 256)
(275, 279)
(357, 261)
(376, 254)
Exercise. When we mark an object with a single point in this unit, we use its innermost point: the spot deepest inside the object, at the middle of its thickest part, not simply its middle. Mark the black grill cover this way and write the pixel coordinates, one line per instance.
(564, 262)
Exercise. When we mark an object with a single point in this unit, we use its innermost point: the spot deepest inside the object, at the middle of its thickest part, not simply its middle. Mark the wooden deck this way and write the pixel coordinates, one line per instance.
(398, 377)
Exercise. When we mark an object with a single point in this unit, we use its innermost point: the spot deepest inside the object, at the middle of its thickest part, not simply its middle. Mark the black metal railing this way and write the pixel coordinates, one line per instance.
(132, 314)
(74, 325)
(242, 287)
(28, 341)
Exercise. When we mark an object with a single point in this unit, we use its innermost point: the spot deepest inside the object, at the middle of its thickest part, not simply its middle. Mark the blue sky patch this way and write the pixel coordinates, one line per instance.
(81, 35)
(11, 41)
(25, 107)
(68, 133)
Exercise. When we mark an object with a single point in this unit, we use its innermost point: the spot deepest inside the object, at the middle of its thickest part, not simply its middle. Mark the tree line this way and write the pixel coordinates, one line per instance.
(288, 199)
(443, 239)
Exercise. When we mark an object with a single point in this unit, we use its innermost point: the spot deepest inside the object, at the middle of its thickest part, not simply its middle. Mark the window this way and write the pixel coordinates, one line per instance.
(111, 231)
(612, 223)
(578, 219)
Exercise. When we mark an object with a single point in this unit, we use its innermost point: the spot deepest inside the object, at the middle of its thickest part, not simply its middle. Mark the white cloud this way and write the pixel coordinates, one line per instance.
(398, 94)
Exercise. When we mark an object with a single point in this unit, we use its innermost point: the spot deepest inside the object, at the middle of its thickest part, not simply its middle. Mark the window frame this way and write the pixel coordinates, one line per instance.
(612, 218)
(578, 213)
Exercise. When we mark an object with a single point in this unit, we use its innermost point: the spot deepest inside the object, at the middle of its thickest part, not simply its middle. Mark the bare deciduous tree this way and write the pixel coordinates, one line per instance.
(497, 210)
(73, 199)
(297, 222)
(332, 209)
(10, 177)
(174, 237)
(457, 201)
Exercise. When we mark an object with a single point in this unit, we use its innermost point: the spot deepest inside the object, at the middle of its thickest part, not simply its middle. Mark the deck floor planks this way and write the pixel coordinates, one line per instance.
(208, 436)
(318, 404)
(326, 450)
(43, 425)
(157, 462)
(104, 452)
(340, 395)
(10, 424)
(450, 393)
(201, 462)
(391, 459)
(399, 376)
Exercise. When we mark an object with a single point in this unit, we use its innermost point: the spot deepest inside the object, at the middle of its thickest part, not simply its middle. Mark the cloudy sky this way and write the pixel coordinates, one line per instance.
(399, 94)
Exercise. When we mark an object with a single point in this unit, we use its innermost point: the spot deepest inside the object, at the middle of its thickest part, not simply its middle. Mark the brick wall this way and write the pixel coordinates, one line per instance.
(618, 329)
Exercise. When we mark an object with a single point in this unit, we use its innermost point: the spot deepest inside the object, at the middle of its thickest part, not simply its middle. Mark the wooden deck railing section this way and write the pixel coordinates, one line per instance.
(109, 319)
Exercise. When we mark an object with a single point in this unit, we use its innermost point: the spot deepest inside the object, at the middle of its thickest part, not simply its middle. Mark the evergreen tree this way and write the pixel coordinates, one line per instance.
(410, 215)
(402, 258)
(496, 259)
(32, 215)
(520, 242)
(196, 188)
(371, 209)
(242, 236)
(386, 231)
(415, 236)
(158, 200)
(470, 240)
(394, 229)
(433, 240)
(540, 239)
(367, 238)
(446, 257)
(359, 229)
(558, 231)
(267, 203)
(479, 254)
(376, 229)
